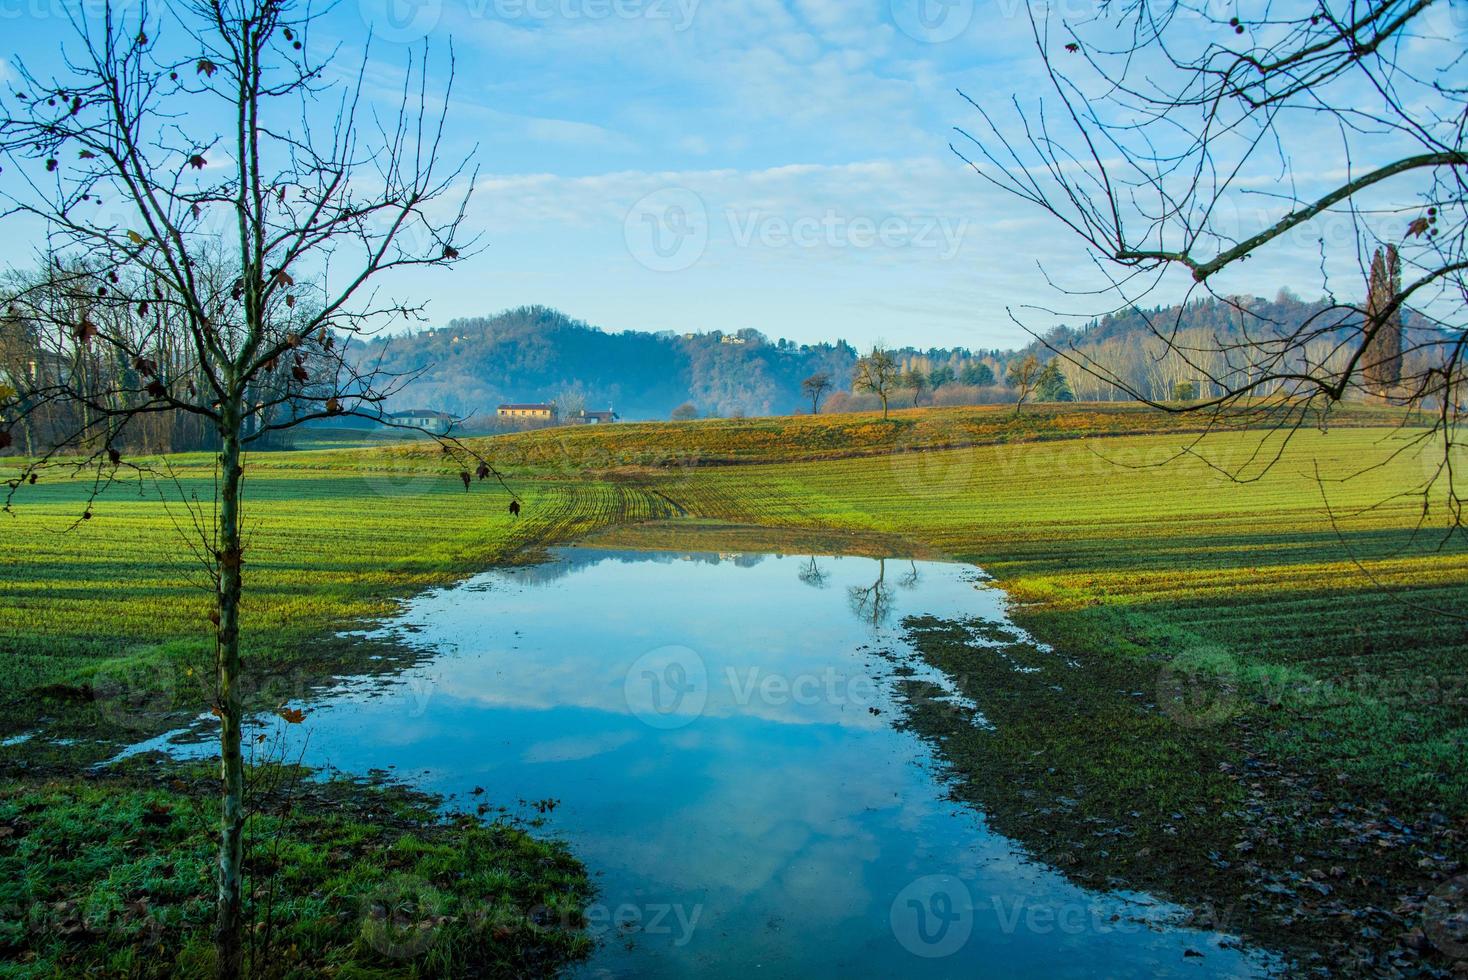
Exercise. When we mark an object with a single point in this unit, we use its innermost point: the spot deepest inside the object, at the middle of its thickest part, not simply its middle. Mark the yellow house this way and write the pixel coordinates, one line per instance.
(528, 413)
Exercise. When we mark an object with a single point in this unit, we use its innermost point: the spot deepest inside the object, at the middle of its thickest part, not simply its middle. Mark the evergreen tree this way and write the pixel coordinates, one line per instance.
(1051, 385)
(1382, 359)
(977, 373)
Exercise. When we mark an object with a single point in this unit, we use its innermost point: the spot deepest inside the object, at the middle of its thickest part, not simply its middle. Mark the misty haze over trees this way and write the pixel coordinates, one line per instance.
(533, 353)
(538, 354)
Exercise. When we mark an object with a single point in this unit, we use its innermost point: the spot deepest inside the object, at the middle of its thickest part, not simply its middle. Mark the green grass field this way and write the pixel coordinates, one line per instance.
(1304, 608)
(329, 545)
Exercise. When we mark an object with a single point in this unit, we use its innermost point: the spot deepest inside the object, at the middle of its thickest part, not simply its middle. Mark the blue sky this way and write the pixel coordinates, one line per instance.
(709, 164)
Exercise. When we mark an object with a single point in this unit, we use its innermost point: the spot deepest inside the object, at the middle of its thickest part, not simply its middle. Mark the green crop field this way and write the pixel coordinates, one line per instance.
(1319, 602)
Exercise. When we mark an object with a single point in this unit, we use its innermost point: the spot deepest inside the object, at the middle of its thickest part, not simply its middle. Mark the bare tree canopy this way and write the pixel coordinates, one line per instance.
(879, 373)
(1023, 374)
(207, 231)
(1326, 137)
(814, 387)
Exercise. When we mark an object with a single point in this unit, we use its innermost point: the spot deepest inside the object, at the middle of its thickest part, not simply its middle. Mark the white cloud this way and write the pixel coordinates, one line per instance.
(923, 186)
(576, 747)
(576, 133)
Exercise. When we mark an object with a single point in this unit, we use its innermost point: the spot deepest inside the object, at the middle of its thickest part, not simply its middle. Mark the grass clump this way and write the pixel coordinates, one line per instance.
(112, 875)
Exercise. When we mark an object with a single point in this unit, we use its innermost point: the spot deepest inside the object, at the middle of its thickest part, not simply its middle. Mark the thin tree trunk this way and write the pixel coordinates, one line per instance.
(229, 924)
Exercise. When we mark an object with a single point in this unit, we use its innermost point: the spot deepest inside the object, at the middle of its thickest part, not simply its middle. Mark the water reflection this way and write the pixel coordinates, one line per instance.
(721, 747)
(872, 604)
(812, 574)
(910, 578)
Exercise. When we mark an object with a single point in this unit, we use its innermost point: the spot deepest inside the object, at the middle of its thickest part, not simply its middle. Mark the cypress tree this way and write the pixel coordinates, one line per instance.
(1382, 361)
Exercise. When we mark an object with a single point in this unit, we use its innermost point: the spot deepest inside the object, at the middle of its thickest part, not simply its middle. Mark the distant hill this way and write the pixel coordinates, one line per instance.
(1133, 344)
(1229, 319)
(535, 354)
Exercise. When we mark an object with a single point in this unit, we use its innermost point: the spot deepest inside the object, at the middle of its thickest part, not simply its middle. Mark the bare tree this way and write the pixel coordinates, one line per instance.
(916, 382)
(252, 203)
(877, 373)
(1172, 138)
(815, 387)
(1023, 374)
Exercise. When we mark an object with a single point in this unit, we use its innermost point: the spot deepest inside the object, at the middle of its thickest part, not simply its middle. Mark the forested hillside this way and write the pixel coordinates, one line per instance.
(1153, 351)
(538, 354)
(534, 354)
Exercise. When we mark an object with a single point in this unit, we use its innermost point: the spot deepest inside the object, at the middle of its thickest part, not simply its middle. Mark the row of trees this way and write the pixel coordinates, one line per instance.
(881, 373)
(102, 361)
(1169, 353)
(1153, 354)
(1186, 366)
(1182, 353)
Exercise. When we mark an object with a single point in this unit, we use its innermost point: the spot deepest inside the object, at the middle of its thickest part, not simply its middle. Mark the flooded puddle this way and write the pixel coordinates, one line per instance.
(717, 733)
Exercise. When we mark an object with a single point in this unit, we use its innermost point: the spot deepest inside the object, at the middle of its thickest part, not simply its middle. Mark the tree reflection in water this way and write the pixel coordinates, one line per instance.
(873, 604)
(813, 574)
(911, 578)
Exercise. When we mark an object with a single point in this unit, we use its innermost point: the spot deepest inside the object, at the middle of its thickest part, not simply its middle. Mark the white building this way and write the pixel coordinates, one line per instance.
(429, 421)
